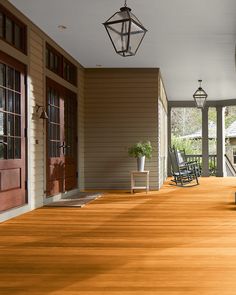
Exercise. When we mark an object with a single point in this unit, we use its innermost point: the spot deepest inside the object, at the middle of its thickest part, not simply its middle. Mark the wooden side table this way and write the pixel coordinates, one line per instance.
(138, 173)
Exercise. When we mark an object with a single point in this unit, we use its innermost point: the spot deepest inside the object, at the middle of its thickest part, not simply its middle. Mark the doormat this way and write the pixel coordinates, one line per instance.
(78, 200)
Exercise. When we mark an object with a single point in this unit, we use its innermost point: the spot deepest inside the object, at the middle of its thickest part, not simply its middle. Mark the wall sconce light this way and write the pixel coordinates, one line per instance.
(43, 114)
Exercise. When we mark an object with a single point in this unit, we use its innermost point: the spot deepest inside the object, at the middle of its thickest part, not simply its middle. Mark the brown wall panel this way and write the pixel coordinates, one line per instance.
(120, 110)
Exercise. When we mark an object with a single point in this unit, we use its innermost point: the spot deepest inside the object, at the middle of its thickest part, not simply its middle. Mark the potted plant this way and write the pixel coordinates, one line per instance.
(141, 150)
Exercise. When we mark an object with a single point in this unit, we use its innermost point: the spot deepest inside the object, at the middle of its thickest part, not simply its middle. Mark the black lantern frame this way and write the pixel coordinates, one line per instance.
(200, 96)
(125, 31)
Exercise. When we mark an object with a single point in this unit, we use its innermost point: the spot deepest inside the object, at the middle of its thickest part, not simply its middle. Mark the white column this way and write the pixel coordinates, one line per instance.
(169, 140)
(220, 148)
(205, 144)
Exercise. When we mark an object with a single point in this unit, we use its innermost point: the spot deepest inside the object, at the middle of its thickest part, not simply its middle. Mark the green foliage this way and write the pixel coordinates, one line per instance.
(190, 146)
(185, 121)
(141, 149)
(229, 120)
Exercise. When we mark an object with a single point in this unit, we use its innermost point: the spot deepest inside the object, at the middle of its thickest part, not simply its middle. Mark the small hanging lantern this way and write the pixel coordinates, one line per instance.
(125, 31)
(200, 96)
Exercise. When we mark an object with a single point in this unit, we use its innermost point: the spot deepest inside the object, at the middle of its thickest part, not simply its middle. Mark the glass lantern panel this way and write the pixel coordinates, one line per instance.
(136, 28)
(133, 17)
(200, 101)
(119, 16)
(119, 34)
(136, 37)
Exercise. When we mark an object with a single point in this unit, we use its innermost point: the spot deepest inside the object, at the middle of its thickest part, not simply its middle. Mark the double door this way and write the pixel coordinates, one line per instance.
(13, 188)
(61, 139)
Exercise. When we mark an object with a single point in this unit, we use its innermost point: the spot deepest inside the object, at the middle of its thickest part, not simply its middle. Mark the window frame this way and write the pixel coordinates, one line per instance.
(15, 21)
(62, 61)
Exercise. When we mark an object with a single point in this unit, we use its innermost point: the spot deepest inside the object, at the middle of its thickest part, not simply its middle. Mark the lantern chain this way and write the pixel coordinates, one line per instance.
(125, 3)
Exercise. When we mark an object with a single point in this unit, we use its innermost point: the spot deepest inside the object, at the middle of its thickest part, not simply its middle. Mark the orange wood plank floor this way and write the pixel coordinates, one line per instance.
(175, 241)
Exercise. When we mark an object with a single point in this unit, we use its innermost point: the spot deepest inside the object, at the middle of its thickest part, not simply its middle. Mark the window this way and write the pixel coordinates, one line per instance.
(12, 30)
(54, 123)
(53, 60)
(58, 64)
(10, 113)
(234, 155)
(69, 72)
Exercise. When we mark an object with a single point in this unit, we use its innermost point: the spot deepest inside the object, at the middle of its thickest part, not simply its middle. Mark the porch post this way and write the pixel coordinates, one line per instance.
(220, 148)
(169, 140)
(205, 144)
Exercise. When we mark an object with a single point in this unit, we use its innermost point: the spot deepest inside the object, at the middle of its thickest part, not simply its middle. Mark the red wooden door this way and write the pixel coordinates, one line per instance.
(61, 139)
(12, 134)
(70, 115)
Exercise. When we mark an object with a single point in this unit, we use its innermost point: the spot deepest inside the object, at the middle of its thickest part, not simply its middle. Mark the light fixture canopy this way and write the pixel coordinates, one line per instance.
(126, 32)
(200, 96)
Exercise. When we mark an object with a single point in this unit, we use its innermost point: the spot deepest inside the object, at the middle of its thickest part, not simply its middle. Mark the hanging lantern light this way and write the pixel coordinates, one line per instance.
(125, 31)
(200, 96)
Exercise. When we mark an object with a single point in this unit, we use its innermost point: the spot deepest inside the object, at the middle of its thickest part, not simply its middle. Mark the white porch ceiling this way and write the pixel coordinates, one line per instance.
(187, 39)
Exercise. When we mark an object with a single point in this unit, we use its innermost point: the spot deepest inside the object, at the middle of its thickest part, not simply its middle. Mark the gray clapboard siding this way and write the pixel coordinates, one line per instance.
(162, 134)
(120, 110)
(36, 90)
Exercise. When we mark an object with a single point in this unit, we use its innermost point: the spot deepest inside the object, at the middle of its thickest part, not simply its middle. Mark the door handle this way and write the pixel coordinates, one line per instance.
(64, 146)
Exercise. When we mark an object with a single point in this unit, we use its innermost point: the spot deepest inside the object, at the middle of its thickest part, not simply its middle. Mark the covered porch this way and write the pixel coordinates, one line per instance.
(71, 109)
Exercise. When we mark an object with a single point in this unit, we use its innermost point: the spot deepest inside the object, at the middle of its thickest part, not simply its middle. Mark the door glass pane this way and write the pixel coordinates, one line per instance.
(17, 126)
(17, 81)
(56, 99)
(2, 75)
(49, 95)
(17, 36)
(58, 149)
(56, 129)
(1, 24)
(2, 124)
(10, 102)
(2, 98)
(10, 78)
(53, 131)
(17, 148)
(3, 148)
(17, 103)
(57, 114)
(54, 149)
(10, 125)
(49, 132)
(9, 26)
(54, 115)
(10, 148)
(52, 96)
(58, 132)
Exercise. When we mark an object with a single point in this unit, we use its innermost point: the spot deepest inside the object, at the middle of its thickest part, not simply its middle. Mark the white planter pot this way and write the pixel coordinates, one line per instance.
(141, 163)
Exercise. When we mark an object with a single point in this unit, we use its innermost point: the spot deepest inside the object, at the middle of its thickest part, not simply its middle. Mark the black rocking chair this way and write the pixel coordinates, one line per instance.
(182, 159)
(183, 172)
